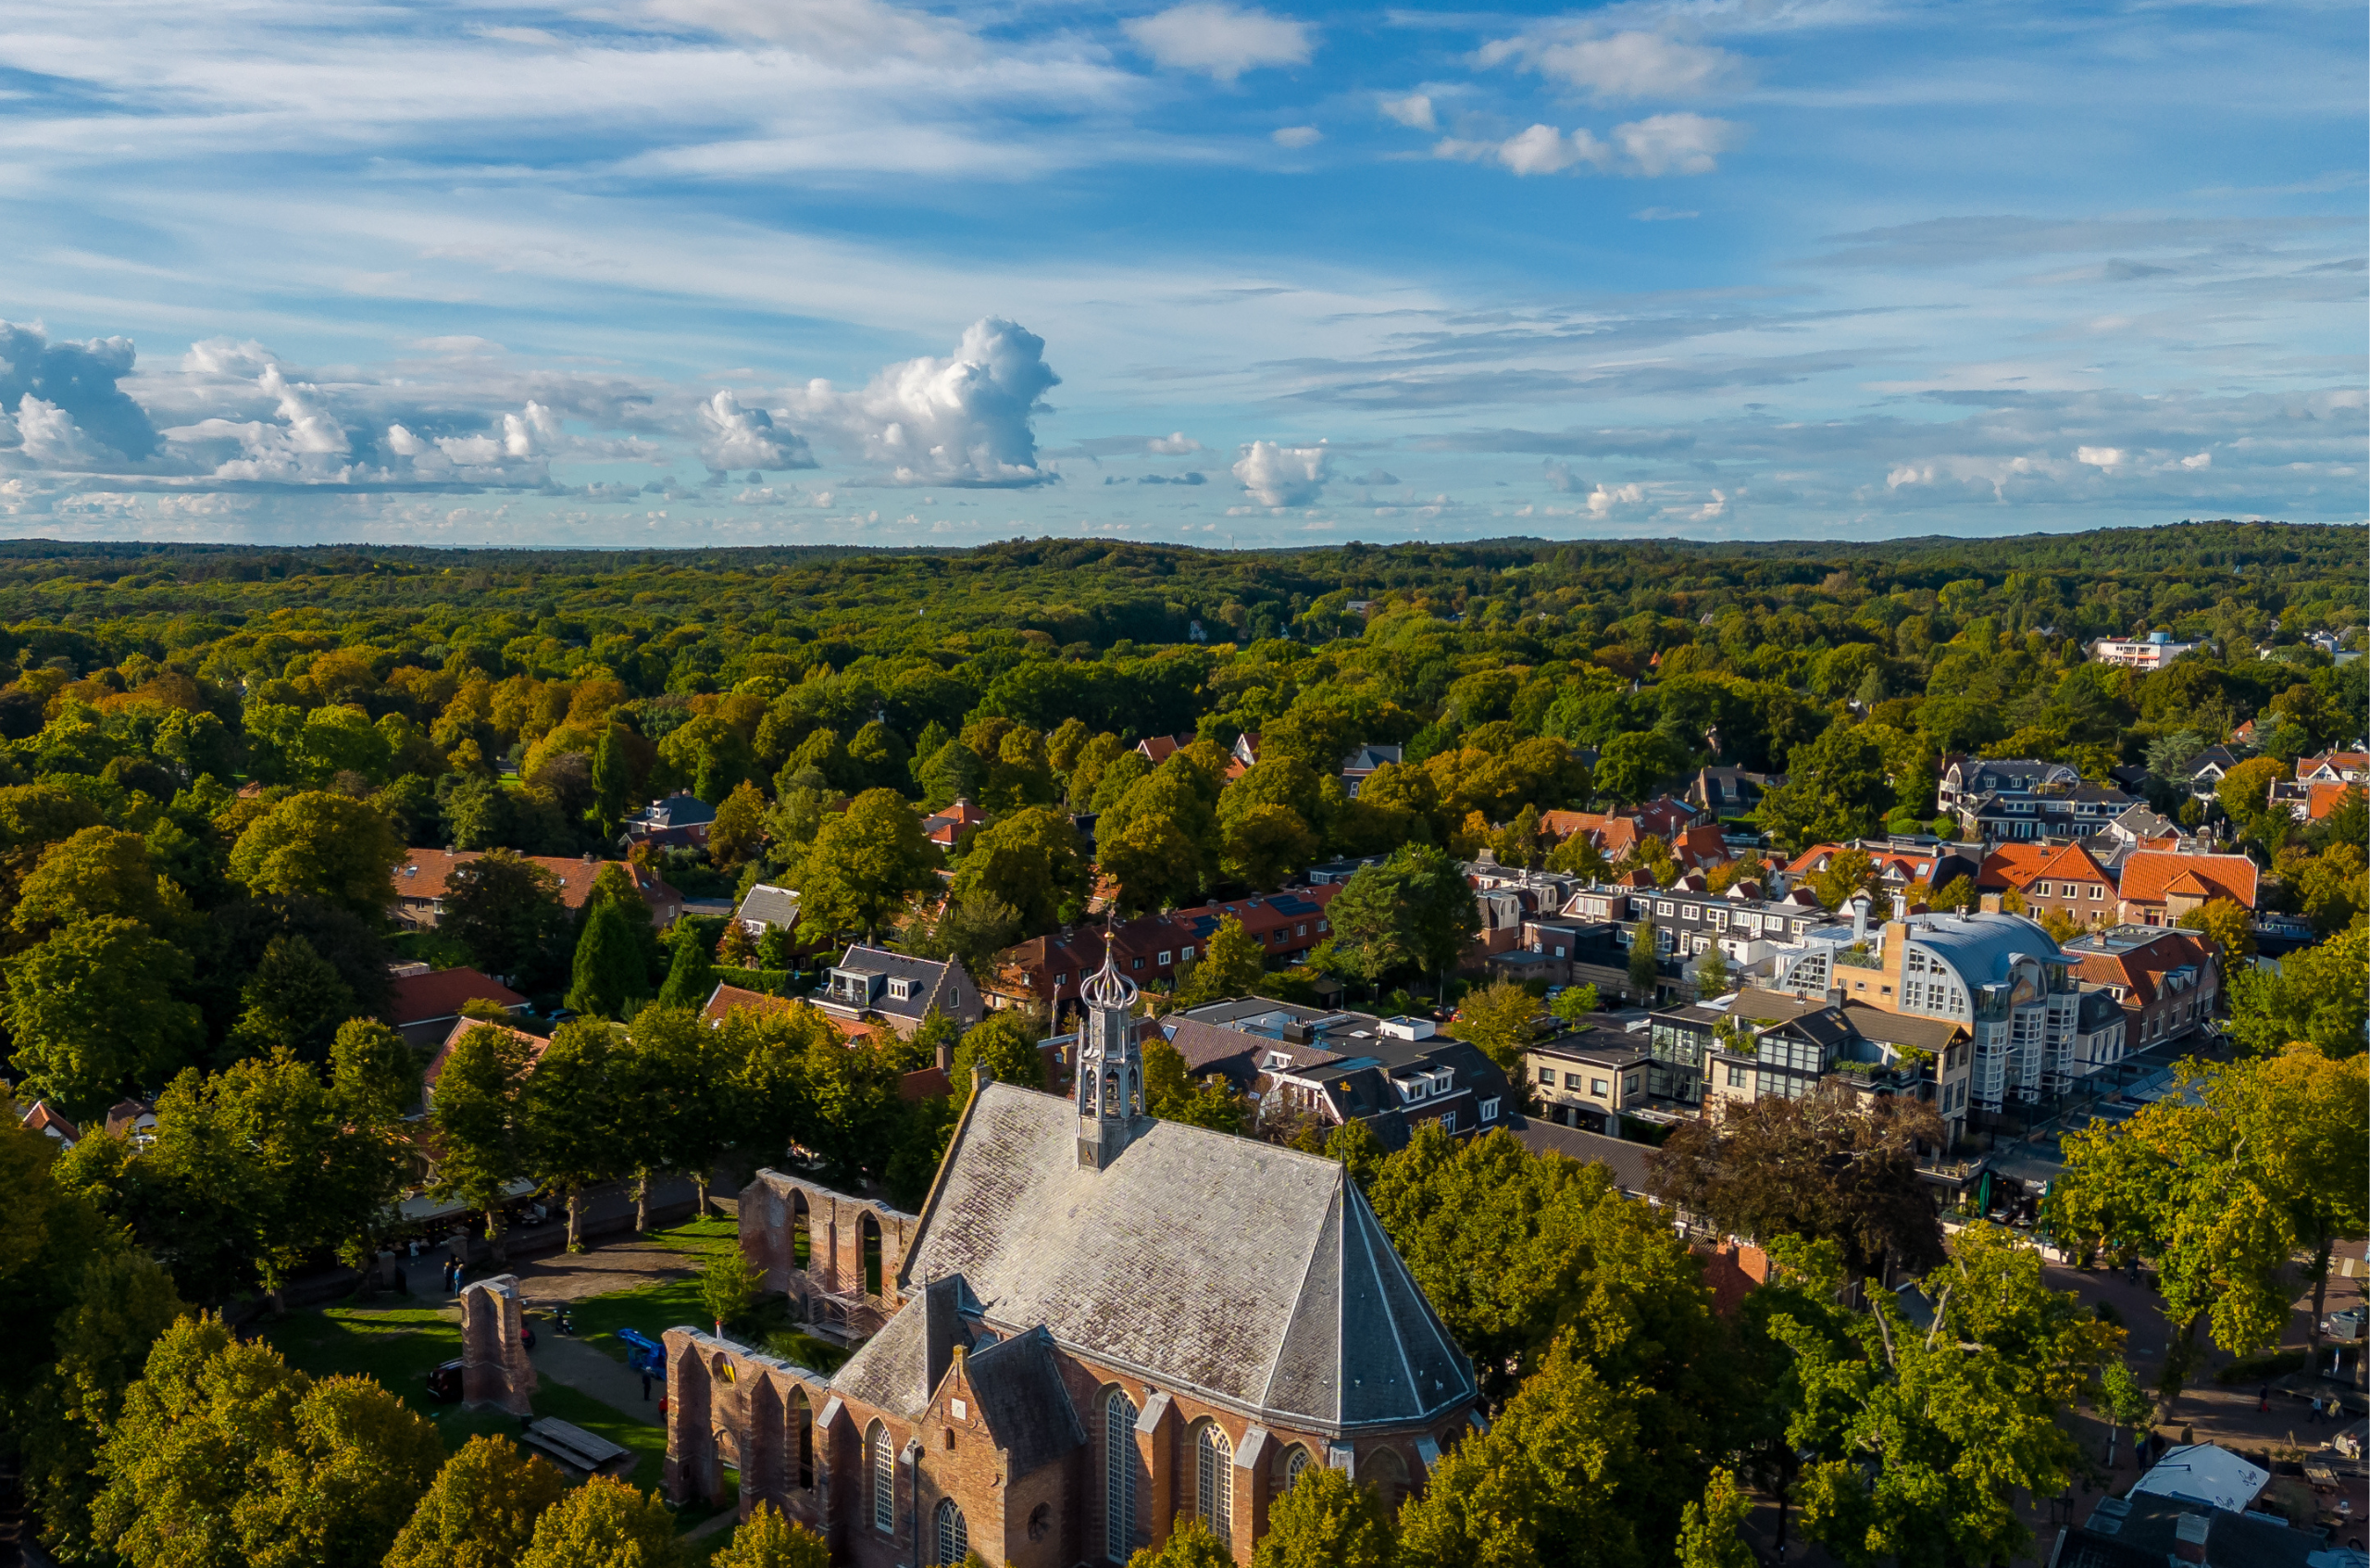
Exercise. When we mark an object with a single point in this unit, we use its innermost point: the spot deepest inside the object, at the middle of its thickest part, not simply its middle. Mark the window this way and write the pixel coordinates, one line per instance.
(1689, 912)
(1572, 1080)
(1448, 1121)
(1629, 1084)
(1136, 963)
(884, 1477)
(1118, 1476)
(1213, 1480)
(1165, 961)
(1302, 929)
(1185, 952)
(1322, 927)
(1295, 1460)
(1599, 1088)
(1736, 1076)
(1488, 1110)
(901, 990)
(1547, 1077)
(953, 1539)
(2097, 890)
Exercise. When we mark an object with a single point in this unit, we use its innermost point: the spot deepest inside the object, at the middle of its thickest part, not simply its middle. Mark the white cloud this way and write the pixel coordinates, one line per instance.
(747, 438)
(851, 31)
(2203, 460)
(50, 438)
(1604, 499)
(1175, 444)
(963, 420)
(1221, 39)
(1283, 476)
(1542, 149)
(1414, 111)
(1619, 65)
(1297, 136)
(2100, 457)
(1677, 143)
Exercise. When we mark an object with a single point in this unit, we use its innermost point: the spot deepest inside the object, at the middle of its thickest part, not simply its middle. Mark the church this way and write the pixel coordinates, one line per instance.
(1099, 1326)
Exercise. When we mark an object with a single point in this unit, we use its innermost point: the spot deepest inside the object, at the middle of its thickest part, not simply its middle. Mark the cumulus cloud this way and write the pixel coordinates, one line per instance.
(306, 444)
(965, 420)
(2203, 460)
(1297, 136)
(747, 438)
(1414, 111)
(48, 437)
(2100, 457)
(1677, 143)
(1175, 444)
(1619, 65)
(1221, 39)
(1283, 476)
(1542, 149)
(76, 380)
(1605, 500)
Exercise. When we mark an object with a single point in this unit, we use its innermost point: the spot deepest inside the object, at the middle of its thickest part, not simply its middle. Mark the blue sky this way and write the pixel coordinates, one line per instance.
(747, 271)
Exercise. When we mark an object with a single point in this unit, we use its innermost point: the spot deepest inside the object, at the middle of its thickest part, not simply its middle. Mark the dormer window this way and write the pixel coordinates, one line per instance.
(901, 989)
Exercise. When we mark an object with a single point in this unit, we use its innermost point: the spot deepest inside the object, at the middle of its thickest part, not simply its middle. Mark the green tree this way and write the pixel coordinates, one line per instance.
(690, 973)
(479, 1115)
(1708, 1536)
(296, 998)
(1957, 893)
(1006, 1045)
(1836, 788)
(1711, 973)
(1633, 765)
(1231, 965)
(1264, 846)
(94, 1006)
(730, 1286)
(577, 1123)
(2315, 995)
(1325, 1521)
(1499, 1018)
(322, 845)
(612, 782)
(1189, 1545)
(739, 832)
(1412, 912)
(609, 973)
(1848, 874)
(1645, 969)
(1172, 1094)
(98, 873)
(1574, 1003)
(2245, 789)
(863, 864)
(1157, 838)
(224, 1456)
(767, 1539)
(373, 1073)
(605, 1523)
(504, 911)
(1031, 862)
(2224, 924)
(480, 1510)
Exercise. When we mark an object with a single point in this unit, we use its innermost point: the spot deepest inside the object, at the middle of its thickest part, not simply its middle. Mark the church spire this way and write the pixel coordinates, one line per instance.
(1110, 1067)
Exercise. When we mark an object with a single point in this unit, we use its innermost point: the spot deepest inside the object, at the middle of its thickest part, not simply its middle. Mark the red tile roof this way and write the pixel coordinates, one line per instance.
(536, 1046)
(2149, 875)
(427, 874)
(41, 1118)
(419, 999)
(2322, 798)
(2020, 866)
(2137, 970)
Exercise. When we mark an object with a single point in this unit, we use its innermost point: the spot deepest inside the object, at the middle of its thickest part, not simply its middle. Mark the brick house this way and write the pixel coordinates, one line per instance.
(1153, 949)
(1100, 1326)
(2167, 982)
(2160, 886)
(424, 877)
(425, 1006)
(2065, 878)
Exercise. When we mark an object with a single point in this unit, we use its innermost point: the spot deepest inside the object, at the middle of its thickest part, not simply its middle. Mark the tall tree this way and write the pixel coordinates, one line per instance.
(2318, 995)
(739, 832)
(480, 1510)
(1231, 965)
(98, 872)
(478, 1113)
(691, 972)
(93, 1009)
(605, 1523)
(504, 911)
(1327, 1520)
(612, 782)
(374, 1074)
(767, 1539)
(320, 845)
(577, 1123)
(863, 864)
(1033, 861)
(1708, 1536)
(1412, 912)
(609, 973)
(1499, 1019)
(296, 998)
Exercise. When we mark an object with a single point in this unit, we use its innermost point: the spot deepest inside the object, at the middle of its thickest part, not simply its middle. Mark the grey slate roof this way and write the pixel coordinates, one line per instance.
(1254, 1275)
(774, 906)
(1626, 1161)
(899, 1368)
(1021, 1397)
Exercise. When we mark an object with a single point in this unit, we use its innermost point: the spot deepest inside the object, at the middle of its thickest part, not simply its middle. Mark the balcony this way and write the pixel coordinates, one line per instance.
(1858, 958)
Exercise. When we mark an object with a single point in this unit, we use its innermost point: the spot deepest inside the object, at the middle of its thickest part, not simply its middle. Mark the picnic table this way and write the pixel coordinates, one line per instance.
(577, 1450)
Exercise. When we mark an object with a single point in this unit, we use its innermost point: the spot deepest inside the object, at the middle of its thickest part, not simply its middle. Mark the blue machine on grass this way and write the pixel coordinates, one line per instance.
(643, 1355)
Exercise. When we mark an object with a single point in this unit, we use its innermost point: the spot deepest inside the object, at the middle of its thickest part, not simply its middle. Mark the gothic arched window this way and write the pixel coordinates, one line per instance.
(953, 1539)
(881, 1459)
(1214, 1479)
(1118, 1476)
(1295, 1460)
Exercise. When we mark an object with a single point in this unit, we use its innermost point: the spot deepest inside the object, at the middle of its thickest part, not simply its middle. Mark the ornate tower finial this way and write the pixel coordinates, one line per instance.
(1110, 1067)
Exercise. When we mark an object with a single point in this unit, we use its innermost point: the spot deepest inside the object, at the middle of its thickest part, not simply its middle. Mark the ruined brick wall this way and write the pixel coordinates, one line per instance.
(810, 1239)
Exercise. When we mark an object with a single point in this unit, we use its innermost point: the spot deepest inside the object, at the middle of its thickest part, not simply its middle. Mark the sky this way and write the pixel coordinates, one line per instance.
(719, 272)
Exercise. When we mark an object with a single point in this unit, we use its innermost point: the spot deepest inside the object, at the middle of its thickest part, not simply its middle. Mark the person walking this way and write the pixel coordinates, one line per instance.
(646, 1387)
(2264, 1400)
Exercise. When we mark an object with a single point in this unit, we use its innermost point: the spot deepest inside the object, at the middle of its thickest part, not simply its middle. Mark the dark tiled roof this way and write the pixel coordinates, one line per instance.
(1250, 1275)
(1626, 1161)
(1021, 1397)
(1902, 1029)
(775, 906)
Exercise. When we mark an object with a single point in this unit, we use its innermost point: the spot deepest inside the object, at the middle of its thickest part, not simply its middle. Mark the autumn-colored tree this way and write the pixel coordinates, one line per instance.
(480, 1510)
(605, 1523)
(739, 831)
(767, 1539)
(1501, 1019)
(2222, 922)
(1327, 1520)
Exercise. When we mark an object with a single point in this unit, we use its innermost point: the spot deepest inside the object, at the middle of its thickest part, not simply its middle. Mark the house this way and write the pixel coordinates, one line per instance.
(2150, 653)
(536, 1045)
(2065, 879)
(426, 876)
(2334, 768)
(2158, 885)
(49, 1123)
(767, 908)
(873, 982)
(1154, 949)
(679, 821)
(1626, 1163)
(423, 1007)
(2206, 770)
(1901, 864)
(1588, 1076)
(2166, 982)
(2056, 811)
(133, 1118)
(1730, 792)
(1617, 834)
(1962, 779)
(945, 827)
(1158, 749)
(2152, 1529)
(1100, 1326)
(1243, 755)
(2310, 799)
(1364, 762)
(1691, 920)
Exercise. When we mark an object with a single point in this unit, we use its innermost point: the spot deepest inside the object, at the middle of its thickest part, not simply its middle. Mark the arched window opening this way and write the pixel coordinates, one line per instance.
(1110, 1105)
(802, 1244)
(1295, 1460)
(953, 1539)
(1385, 1475)
(871, 1231)
(1118, 1476)
(1214, 1479)
(802, 1439)
(883, 1465)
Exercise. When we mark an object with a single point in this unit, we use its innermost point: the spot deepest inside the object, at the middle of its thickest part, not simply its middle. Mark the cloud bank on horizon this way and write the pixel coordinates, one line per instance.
(599, 271)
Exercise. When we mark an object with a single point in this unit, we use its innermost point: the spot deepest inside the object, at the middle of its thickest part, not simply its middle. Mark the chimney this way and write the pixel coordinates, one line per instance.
(978, 1074)
(1860, 918)
(2188, 1536)
(945, 1058)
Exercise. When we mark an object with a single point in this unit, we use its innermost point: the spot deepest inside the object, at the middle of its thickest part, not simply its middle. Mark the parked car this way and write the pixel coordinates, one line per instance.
(445, 1382)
